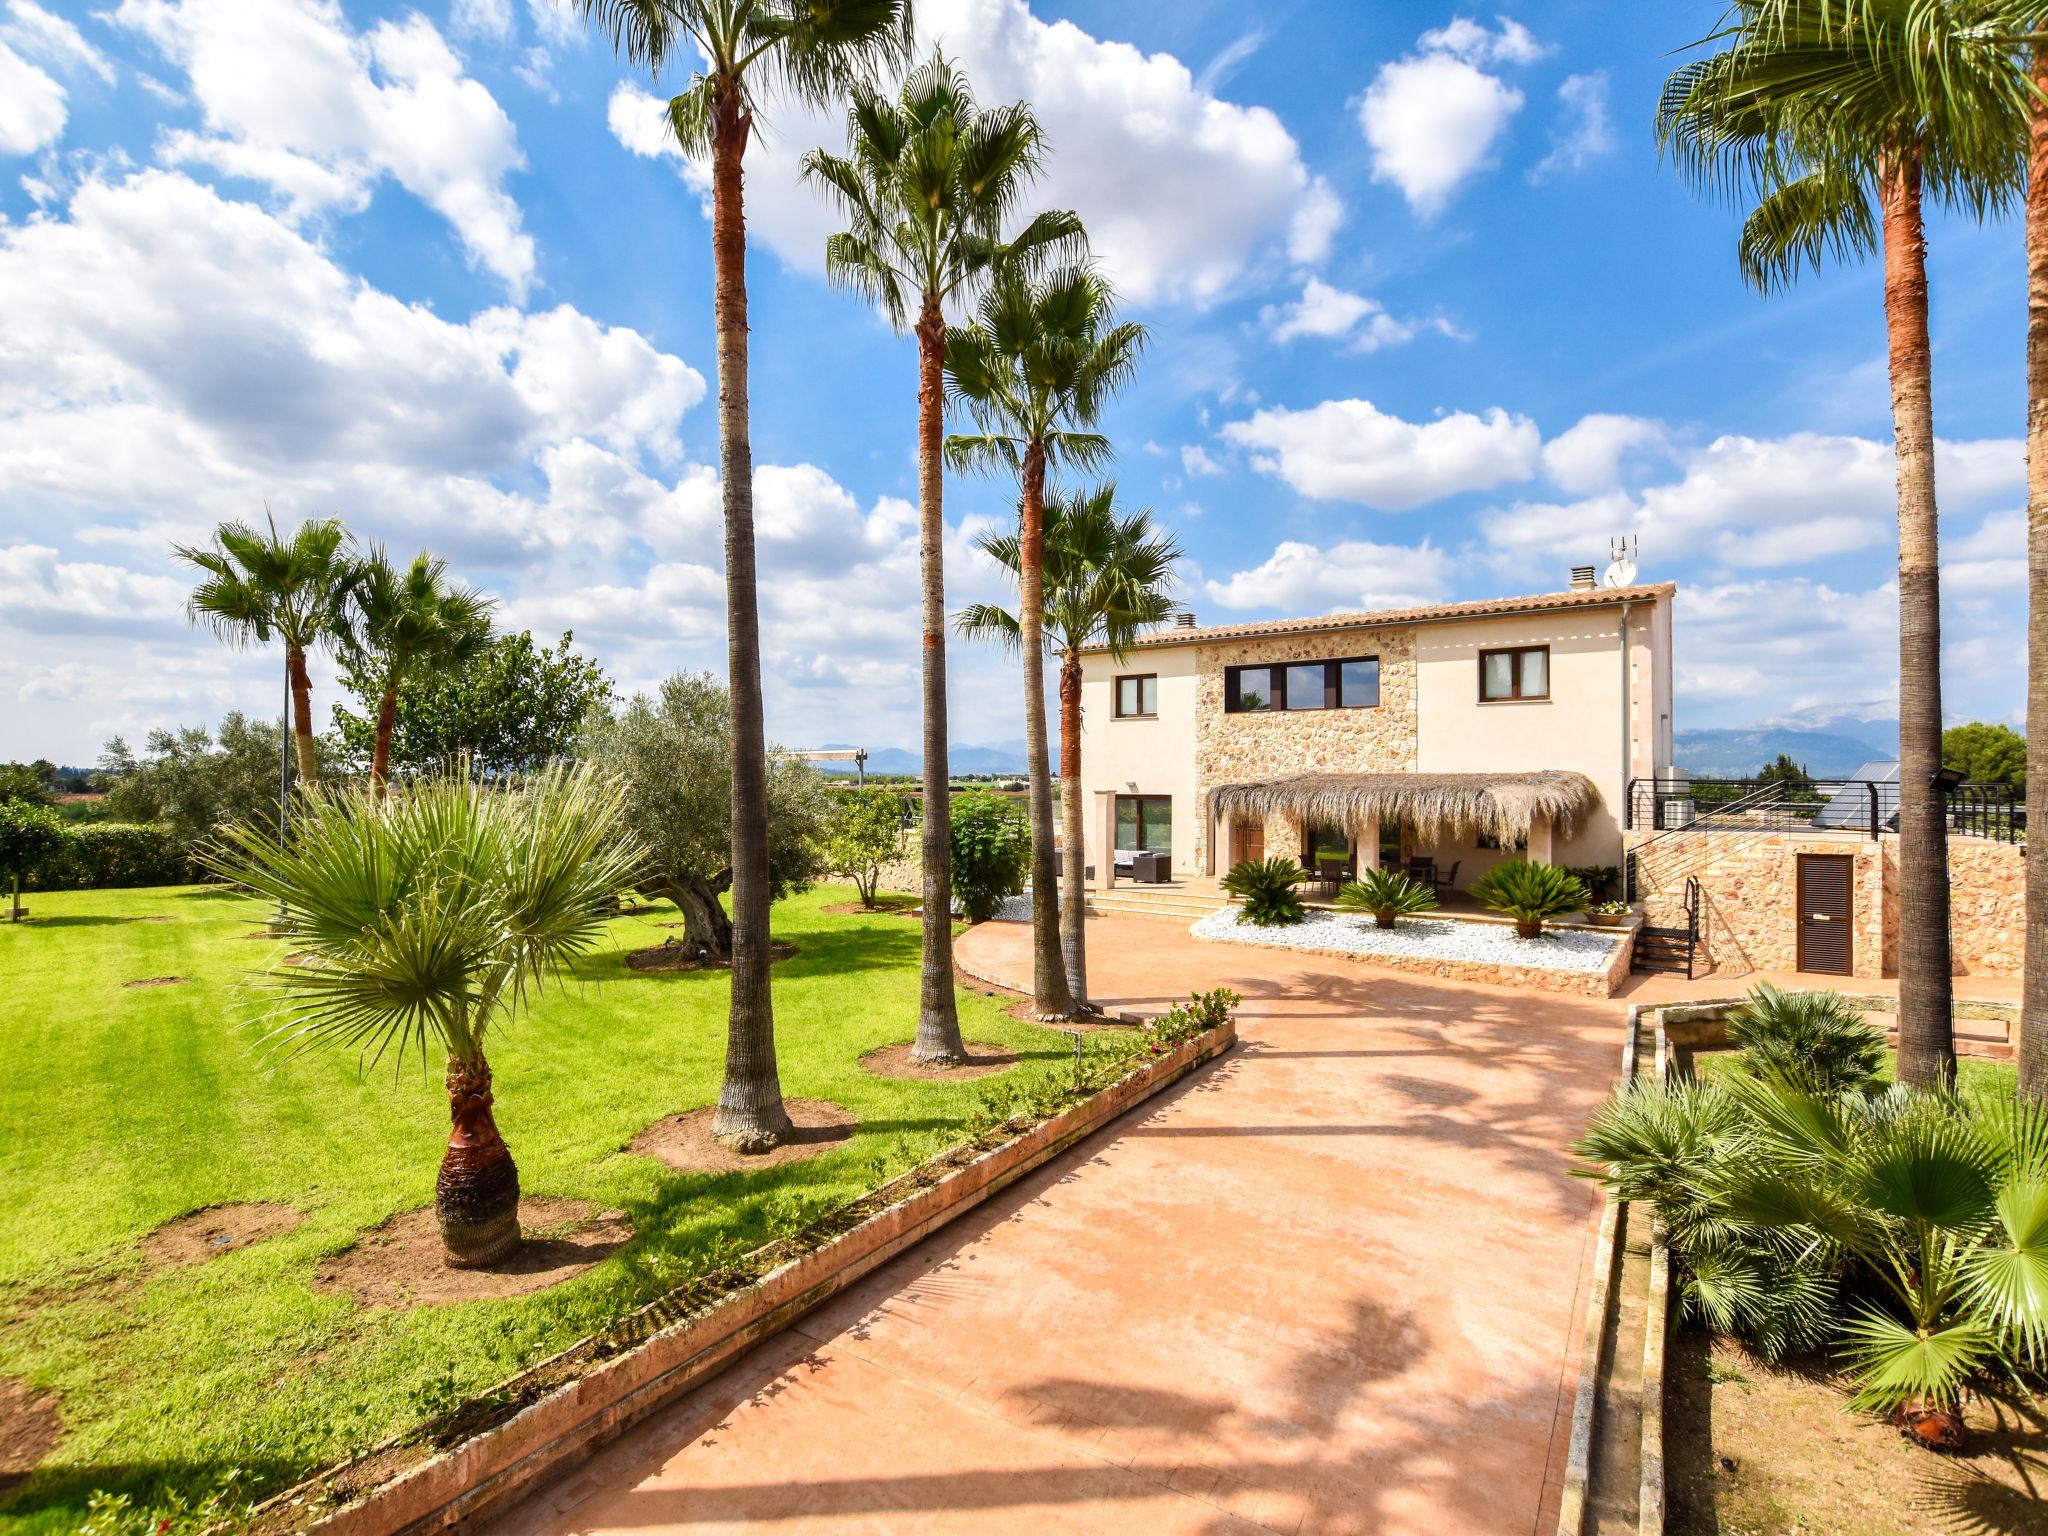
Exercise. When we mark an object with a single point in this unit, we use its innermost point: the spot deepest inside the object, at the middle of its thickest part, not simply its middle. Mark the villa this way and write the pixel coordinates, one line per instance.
(1445, 737)
(1448, 737)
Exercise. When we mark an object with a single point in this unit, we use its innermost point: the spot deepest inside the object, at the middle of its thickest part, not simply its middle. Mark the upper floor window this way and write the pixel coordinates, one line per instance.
(1137, 698)
(1350, 683)
(1522, 673)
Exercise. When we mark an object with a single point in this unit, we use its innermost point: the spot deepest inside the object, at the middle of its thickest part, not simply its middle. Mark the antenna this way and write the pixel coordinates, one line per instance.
(1622, 570)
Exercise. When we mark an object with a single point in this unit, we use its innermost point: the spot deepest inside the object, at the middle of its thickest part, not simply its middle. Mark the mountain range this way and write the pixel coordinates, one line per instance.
(996, 757)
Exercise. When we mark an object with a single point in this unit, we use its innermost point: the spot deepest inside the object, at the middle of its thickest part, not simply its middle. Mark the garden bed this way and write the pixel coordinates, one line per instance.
(496, 1446)
(1583, 960)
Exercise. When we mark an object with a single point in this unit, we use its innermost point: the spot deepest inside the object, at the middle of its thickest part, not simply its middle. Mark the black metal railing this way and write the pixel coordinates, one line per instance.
(1853, 807)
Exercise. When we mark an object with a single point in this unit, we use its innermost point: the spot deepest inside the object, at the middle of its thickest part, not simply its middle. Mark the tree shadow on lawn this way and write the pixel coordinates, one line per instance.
(75, 920)
(69, 1486)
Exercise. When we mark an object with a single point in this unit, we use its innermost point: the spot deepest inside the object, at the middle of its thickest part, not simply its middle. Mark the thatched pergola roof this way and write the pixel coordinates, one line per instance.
(1504, 805)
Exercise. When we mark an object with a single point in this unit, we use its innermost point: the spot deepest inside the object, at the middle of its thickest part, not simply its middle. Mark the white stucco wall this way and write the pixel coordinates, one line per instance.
(1158, 756)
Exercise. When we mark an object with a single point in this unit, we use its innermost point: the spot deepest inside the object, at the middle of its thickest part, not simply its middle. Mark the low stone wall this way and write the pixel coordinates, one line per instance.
(1528, 978)
(1749, 886)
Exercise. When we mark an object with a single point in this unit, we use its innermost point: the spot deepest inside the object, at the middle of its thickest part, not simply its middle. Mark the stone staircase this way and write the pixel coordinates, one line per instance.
(1165, 903)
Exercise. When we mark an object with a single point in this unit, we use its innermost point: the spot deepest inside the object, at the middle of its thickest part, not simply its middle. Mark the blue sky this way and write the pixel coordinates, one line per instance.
(1429, 321)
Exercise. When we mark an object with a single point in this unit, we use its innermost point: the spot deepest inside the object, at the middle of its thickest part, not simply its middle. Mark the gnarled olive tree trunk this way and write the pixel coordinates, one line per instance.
(1927, 1052)
(706, 928)
(750, 1116)
(476, 1197)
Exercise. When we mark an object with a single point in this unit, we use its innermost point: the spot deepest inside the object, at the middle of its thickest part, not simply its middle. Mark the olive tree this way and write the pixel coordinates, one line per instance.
(673, 752)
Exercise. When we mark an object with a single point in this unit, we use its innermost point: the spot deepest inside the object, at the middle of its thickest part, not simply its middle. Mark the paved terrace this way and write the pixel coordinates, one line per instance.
(1330, 1284)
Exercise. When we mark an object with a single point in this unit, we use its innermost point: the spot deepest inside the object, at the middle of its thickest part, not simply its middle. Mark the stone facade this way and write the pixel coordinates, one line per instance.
(1234, 748)
(1749, 892)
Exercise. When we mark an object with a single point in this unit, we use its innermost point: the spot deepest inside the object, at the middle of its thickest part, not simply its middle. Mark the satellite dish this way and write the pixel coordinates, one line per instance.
(1621, 573)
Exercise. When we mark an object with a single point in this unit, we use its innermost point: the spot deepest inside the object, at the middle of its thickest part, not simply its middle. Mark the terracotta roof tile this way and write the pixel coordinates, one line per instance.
(1486, 608)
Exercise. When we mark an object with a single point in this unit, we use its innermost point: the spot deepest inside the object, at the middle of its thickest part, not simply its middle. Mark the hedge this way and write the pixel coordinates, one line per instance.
(98, 855)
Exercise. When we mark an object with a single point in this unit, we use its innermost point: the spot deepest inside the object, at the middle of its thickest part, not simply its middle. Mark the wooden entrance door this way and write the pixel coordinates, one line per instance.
(1247, 841)
(1827, 886)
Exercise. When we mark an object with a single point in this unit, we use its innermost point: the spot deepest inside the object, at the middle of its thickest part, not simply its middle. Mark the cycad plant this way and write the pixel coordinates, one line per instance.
(396, 620)
(1387, 894)
(927, 184)
(1108, 577)
(1835, 118)
(1814, 1040)
(1036, 367)
(1529, 891)
(1266, 887)
(425, 920)
(744, 54)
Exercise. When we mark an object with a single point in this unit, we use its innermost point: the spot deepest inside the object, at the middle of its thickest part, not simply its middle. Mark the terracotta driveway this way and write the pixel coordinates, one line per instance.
(1329, 1284)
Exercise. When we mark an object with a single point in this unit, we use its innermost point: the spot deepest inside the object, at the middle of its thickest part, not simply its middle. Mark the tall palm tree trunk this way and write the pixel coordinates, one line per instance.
(1073, 915)
(750, 1115)
(1927, 1054)
(938, 1016)
(1051, 998)
(387, 722)
(476, 1197)
(303, 749)
(2033, 1042)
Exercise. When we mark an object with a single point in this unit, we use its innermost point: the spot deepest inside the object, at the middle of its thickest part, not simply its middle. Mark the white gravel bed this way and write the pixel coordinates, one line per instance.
(1423, 938)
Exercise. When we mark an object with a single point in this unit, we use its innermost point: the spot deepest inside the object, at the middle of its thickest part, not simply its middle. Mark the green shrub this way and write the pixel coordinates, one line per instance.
(866, 831)
(1387, 894)
(1529, 892)
(1812, 1039)
(30, 835)
(1598, 879)
(1266, 887)
(991, 853)
(1197, 1016)
(111, 854)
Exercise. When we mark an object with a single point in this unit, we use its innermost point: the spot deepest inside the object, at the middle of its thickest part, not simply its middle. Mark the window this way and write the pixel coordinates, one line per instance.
(1144, 823)
(1353, 683)
(1516, 674)
(1137, 698)
(1326, 845)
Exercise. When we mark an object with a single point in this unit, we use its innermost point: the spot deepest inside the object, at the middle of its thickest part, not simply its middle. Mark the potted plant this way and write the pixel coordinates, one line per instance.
(1608, 914)
(1266, 887)
(1530, 893)
(1388, 895)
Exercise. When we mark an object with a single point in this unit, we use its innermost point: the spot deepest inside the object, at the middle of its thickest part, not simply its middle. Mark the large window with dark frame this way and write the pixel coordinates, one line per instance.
(1520, 673)
(1137, 697)
(1144, 823)
(1349, 683)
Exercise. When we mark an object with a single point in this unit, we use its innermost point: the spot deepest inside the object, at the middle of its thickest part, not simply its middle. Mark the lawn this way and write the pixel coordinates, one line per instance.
(122, 1108)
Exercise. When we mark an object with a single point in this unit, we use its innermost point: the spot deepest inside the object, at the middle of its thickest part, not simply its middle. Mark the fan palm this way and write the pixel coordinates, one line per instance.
(1108, 576)
(257, 585)
(426, 918)
(1836, 117)
(398, 619)
(926, 186)
(1813, 1039)
(1035, 368)
(743, 53)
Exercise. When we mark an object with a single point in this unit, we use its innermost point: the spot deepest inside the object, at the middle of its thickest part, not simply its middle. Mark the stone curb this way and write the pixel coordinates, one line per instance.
(1578, 1466)
(570, 1422)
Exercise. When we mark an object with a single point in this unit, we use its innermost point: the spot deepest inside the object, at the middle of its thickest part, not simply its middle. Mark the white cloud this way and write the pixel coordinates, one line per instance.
(1349, 450)
(482, 18)
(1433, 117)
(1182, 192)
(1195, 460)
(1331, 313)
(1583, 130)
(555, 20)
(290, 96)
(1588, 456)
(40, 590)
(40, 34)
(1299, 578)
(32, 109)
(1794, 641)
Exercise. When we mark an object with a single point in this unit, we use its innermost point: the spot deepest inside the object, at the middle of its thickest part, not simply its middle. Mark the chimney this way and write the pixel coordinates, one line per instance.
(1584, 578)
(1185, 619)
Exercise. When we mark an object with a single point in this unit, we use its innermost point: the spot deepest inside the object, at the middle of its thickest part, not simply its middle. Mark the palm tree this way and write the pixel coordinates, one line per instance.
(429, 916)
(1837, 116)
(743, 52)
(1035, 368)
(399, 619)
(258, 585)
(928, 183)
(1108, 576)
